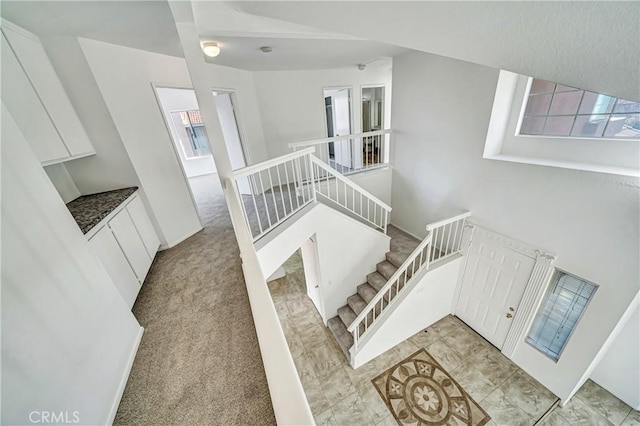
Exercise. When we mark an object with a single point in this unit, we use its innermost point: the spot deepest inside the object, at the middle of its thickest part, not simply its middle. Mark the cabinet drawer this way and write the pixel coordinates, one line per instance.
(131, 243)
(105, 246)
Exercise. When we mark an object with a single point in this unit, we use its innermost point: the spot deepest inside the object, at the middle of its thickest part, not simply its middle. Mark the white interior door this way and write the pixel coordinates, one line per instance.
(492, 287)
(227, 116)
(342, 126)
(309, 253)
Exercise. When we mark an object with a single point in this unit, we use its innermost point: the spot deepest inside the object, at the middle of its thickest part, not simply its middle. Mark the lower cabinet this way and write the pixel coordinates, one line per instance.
(126, 245)
(106, 246)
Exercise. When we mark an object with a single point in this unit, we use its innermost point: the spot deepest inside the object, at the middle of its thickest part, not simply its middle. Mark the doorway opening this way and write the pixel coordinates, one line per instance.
(338, 112)
(296, 284)
(191, 144)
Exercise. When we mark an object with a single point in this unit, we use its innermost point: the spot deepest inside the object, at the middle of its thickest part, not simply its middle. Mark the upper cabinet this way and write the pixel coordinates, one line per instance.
(34, 95)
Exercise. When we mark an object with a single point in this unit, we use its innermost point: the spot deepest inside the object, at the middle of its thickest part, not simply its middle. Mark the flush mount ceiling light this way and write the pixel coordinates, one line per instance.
(210, 49)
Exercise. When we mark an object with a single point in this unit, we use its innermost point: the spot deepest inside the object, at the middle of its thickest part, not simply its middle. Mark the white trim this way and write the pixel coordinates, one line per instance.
(623, 171)
(125, 377)
(512, 243)
(175, 243)
(530, 303)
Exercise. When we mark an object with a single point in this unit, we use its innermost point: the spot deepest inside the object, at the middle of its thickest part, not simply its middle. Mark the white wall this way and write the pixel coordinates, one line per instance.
(619, 370)
(378, 182)
(183, 100)
(111, 167)
(428, 300)
(124, 77)
(441, 114)
(347, 251)
(292, 102)
(62, 181)
(68, 338)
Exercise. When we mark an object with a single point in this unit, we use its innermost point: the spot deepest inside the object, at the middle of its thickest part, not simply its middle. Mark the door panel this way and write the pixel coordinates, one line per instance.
(105, 246)
(492, 287)
(131, 243)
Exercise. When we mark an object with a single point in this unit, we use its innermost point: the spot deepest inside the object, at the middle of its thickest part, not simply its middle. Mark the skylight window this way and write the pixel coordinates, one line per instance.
(562, 111)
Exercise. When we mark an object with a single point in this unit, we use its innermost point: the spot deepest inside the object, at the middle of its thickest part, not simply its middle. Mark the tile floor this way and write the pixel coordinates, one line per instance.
(340, 395)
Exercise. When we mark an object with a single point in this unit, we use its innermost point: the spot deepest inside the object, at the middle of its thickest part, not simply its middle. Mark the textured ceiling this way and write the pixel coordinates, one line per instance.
(591, 45)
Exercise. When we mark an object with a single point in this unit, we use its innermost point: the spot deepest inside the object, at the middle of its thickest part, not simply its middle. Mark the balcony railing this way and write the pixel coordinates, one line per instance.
(276, 189)
(351, 153)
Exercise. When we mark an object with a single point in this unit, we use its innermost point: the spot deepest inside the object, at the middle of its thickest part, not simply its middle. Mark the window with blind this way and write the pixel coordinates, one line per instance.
(561, 309)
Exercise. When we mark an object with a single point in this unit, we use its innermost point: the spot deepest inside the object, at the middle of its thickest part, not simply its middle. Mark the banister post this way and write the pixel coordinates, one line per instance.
(312, 175)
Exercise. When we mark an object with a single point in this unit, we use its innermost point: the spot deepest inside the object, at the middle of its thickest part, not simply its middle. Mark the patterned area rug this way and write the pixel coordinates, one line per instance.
(418, 391)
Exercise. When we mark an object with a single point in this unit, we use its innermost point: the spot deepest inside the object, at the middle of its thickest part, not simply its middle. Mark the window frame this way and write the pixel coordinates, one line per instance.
(555, 278)
(523, 108)
(503, 143)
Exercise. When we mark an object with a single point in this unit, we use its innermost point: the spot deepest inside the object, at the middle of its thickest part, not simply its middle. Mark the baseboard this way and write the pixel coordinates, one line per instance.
(407, 232)
(175, 243)
(125, 377)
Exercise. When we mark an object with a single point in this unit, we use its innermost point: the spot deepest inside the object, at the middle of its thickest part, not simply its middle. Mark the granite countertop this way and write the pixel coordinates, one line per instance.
(89, 210)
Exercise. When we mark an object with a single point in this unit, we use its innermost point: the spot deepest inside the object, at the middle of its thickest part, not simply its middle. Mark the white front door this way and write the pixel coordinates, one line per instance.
(492, 286)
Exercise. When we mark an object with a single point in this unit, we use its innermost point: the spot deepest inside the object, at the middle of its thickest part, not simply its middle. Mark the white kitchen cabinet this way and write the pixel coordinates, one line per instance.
(144, 226)
(131, 244)
(126, 243)
(28, 112)
(106, 247)
(36, 66)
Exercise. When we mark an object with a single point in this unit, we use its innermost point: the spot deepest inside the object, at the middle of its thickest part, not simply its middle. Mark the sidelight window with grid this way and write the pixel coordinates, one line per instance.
(561, 309)
(562, 111)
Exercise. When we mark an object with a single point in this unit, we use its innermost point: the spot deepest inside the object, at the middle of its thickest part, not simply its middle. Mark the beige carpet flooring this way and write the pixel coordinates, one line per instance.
(199, 362)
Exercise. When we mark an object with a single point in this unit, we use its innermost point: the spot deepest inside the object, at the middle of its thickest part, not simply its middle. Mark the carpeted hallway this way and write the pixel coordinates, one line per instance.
(199, 361)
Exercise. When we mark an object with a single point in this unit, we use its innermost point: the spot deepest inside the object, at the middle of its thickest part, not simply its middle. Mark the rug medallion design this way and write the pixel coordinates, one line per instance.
(419, 391)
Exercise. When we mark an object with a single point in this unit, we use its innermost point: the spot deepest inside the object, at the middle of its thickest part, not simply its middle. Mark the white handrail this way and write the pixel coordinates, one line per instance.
(264, 165)
(443, 222)
(443, 241)
(340, 138)
(399, 272)
(349, 182)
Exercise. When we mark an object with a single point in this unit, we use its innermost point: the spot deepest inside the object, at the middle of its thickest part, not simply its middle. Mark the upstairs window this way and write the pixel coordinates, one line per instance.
(552, 109)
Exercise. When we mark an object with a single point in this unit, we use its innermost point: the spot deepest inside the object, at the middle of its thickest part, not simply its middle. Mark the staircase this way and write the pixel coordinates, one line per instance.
(402, 245)
(275, 190)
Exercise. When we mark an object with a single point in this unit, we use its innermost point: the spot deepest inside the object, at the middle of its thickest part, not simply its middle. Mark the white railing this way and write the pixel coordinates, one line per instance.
(351, 196)
(276, 189)
(273, 190)
(447, 236)
(443, 240)
(351, 153)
